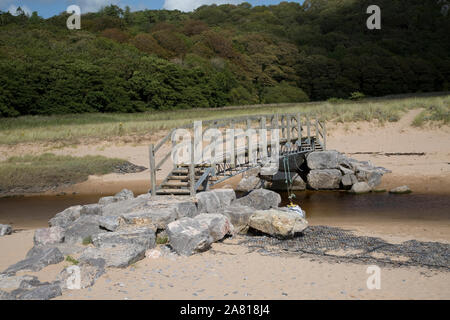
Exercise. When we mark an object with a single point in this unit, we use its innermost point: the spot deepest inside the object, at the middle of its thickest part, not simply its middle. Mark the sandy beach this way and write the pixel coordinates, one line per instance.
(231, 271)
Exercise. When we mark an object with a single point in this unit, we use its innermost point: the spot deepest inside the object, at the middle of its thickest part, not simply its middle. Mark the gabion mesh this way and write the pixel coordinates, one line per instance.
(343, 245)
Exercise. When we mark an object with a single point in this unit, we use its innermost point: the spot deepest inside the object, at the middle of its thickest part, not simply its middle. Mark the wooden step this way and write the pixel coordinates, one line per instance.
(175, 184)
(184, 171)
(173, 191)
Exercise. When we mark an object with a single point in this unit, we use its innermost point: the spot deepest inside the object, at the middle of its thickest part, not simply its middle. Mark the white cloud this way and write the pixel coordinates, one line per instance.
(13, 9)
(93, 5)
(189, 5)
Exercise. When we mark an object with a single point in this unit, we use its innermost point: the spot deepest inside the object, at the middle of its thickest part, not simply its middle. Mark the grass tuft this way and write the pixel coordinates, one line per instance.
(87, 241)
(72, 260)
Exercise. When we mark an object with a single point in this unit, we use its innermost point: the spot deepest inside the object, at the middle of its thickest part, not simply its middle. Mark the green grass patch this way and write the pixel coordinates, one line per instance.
(72, 260)
(162, 239)
(87, 241)
(43, 172)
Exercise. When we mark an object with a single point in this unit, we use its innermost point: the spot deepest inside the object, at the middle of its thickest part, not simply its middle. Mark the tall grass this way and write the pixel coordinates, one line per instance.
(73, 128)
(437, 112)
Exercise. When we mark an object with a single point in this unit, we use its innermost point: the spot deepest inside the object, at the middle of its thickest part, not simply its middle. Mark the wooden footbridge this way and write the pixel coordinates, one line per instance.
(296, 134)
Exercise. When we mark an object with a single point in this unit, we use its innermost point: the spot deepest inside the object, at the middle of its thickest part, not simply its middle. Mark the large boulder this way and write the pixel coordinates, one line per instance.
(323, 160)
(260, 199)
(66, 217)
(125, 206)
(45, 291)
(158, 217)
(348, 180)
(89, 273)
(37, 260)
(125, 194)
(279, 182)
(293, 163)
(326, 179)
(47, 236)
(360, 188)
(84, 227)
(185, 209)
(64, 248)
(111, 223)
(239, 216)
(218, 225)
(249, 183)
(140, 236)
(188, 236)
(91, 209)
(212, 201)
(278, 223)
(401, 190)
(9, 283)
(5, 229)
(119, 256)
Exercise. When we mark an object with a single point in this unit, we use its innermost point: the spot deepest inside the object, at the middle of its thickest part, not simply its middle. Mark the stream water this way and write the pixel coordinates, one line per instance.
(321, 207)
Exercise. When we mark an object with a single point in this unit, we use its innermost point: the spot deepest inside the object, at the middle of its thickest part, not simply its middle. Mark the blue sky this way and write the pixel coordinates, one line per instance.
(48, 8)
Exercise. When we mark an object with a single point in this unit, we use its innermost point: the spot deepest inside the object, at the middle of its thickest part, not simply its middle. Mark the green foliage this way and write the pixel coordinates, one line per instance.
(357, 96)
(284, 93)
(72, 260)
(123, 61)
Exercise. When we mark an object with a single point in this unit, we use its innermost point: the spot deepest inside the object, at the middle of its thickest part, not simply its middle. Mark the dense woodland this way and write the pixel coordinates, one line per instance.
(122, 61)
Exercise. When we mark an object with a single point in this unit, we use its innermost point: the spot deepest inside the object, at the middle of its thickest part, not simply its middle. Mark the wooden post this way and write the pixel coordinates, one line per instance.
(324, 136)
(317, 134)
(249, 126)
(192, 170)
(289, 129)
(152, 169)
(308, 129)
(263, 139)
(299, 128)
(233, 145)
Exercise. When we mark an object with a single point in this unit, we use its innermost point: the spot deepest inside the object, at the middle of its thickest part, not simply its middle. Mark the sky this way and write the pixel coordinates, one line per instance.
(48, 8)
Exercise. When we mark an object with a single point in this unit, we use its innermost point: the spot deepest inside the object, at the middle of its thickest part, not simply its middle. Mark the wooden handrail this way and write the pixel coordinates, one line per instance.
(291, 126)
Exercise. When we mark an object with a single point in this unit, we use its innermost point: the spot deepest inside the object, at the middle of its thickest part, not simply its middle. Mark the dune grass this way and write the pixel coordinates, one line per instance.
(437, 112)
(43, 172)
(74, 128)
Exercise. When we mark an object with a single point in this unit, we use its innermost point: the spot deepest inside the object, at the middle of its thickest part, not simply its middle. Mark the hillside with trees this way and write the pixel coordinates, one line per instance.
(123, 61)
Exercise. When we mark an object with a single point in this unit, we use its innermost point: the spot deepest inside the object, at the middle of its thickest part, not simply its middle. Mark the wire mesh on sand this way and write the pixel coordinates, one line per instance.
(342, 244)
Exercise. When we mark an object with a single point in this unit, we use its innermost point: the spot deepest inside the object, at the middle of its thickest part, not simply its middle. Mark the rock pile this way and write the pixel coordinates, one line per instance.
(321, 170)
(121, 230)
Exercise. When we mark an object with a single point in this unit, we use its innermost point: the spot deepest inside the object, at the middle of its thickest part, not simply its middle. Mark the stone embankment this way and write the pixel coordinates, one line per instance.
(325, 170)
(121, 230)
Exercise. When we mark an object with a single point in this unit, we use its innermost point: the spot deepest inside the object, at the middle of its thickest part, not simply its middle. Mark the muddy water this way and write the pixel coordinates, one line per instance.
(415, 214)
